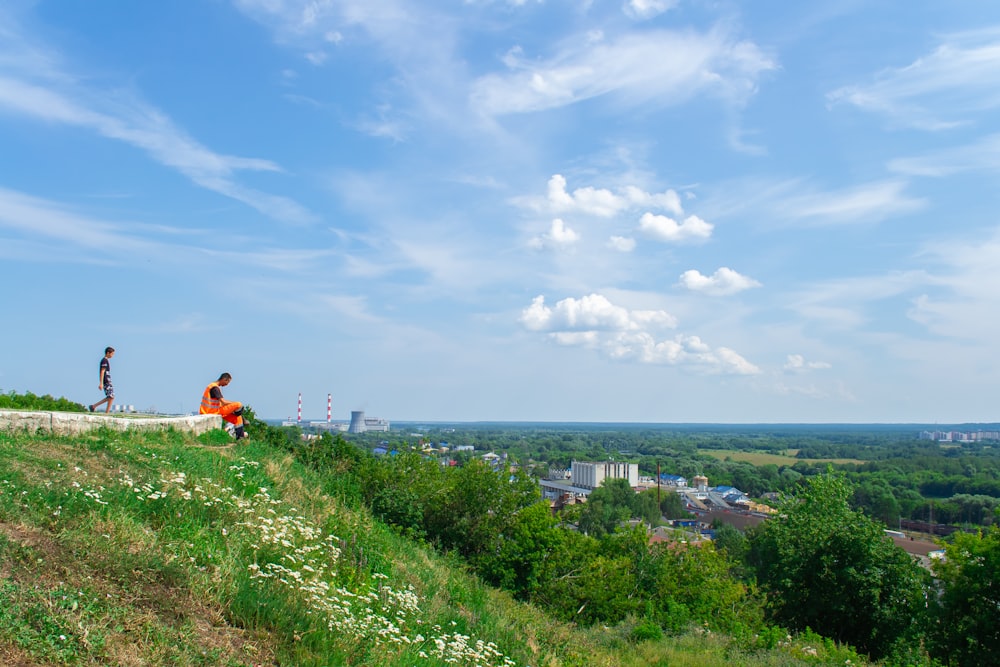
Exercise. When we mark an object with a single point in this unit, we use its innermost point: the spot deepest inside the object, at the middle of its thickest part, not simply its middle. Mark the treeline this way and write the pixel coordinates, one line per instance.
(823, 565)
(29, 401)
(898, 477)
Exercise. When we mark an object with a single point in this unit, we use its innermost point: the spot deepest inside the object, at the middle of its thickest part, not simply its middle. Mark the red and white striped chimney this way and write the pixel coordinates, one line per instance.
(300, 408)
(329, 408)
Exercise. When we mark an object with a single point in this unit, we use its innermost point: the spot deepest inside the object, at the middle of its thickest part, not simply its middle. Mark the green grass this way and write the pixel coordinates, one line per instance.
(162, 548)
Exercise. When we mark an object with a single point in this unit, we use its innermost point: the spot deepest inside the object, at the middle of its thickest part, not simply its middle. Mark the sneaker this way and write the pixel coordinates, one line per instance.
(90, 407)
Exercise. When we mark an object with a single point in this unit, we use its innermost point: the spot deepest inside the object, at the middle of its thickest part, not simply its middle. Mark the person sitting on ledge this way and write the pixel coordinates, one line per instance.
(212, 403)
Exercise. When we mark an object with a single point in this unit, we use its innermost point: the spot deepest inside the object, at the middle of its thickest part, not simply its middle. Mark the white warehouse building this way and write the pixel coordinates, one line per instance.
(588, 475)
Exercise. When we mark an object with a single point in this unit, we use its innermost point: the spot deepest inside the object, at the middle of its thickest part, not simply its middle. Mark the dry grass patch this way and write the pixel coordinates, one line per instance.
(766, 458)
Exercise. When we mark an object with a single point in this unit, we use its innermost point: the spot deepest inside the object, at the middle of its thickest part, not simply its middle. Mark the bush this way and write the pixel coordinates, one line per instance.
(646, 631)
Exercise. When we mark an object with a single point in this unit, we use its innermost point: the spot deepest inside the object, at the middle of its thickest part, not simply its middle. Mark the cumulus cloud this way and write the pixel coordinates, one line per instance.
(723, 282)
(559, 236)
(796, 363)
(594, 322)
(686, 351)
(599, 202)
(593, 312)
(668, 230)
(621, 243)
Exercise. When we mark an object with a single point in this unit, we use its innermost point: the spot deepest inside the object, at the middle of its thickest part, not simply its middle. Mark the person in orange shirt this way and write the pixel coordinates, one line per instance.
(212, 403)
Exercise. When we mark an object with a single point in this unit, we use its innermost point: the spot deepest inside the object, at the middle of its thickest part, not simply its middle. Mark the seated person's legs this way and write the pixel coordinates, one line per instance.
(233, 413)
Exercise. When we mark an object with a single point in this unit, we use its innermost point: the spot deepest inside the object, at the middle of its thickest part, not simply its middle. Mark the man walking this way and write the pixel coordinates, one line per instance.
(104, 381)
(212, 403)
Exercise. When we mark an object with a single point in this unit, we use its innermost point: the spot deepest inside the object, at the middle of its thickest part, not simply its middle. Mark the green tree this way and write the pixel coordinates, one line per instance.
(730, 541)
(828, 567)
(693, 585)
(966, 615)
(644, 507)
(608, 505)
(528, 550)
(474, 507)
(672, 506)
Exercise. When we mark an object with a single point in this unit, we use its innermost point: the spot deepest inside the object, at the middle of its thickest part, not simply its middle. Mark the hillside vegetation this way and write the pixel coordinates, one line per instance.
(149, 549)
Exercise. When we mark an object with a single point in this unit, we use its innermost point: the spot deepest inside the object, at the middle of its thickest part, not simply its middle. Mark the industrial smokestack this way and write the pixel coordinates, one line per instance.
(299, 420)
(329, 408)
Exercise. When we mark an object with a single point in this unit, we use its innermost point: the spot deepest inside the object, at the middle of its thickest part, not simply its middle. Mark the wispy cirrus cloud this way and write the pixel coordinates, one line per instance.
(869, 202)
(981, 155)
(63, 232)
(36, 83)
(659, 66)
(946, 87)
(846, 304)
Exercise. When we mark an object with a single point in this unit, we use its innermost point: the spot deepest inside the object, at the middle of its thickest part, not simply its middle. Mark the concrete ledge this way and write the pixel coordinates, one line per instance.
(74, 423)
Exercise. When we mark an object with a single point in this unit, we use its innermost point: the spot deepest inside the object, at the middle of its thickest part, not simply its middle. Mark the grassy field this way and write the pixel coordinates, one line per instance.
(765, 458)
(163, 549)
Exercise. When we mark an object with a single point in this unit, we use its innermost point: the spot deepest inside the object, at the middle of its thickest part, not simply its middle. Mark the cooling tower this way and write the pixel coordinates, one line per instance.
(357, 422)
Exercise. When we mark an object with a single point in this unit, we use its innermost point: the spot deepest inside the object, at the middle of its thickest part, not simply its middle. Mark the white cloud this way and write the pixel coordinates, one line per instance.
(645, 9)
(723, 282)
(594, 322)
(667, 201)
(61, 229)
(589, 313)
(937, 91)
(599, 202)
(796, 363)
(317, 57)
(848, 304)
(621, 243)
(666, 229)
(657, 66)
(982, 155)
(559, 236)
(686, 351)
(864, 203)
(960, 298)
(124, 118)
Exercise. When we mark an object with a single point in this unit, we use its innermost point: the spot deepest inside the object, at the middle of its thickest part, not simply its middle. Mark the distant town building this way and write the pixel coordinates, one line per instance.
(700, 483)
(588, 475)
(673, 480)
(960, 436)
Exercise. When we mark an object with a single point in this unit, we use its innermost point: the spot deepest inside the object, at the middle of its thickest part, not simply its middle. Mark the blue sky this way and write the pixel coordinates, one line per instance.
(639, 210)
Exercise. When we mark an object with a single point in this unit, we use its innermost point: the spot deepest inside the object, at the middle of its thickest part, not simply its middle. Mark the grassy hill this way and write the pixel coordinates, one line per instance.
(160, 548)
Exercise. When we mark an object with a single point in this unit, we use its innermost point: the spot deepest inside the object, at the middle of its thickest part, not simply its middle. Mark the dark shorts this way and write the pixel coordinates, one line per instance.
(109, 391)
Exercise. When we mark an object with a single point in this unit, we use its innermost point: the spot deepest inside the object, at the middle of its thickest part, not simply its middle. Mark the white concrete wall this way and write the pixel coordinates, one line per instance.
(73, 423)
